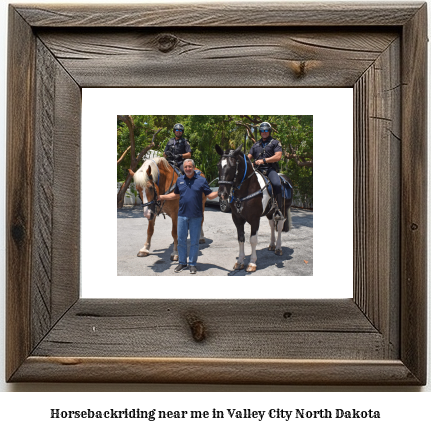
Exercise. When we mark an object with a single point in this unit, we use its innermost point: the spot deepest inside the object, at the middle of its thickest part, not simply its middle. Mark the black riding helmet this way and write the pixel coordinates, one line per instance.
(265, 126)
(178, 126)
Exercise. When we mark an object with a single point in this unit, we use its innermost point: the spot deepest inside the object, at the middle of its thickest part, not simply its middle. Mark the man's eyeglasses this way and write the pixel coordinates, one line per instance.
(178, 130)
(266, 130)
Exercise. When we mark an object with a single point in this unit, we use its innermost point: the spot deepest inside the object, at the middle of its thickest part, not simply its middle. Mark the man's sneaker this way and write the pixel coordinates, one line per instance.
(180, 267)
(193, 270)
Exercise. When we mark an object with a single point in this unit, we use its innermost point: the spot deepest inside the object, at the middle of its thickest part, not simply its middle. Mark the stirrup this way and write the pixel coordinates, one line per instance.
(278, 215)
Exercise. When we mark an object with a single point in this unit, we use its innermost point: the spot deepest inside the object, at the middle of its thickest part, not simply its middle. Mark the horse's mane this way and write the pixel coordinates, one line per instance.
(141, 177)
(229, 153)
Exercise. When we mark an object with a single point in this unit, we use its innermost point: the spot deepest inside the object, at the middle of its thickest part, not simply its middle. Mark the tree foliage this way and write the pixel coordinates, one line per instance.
(229, 131)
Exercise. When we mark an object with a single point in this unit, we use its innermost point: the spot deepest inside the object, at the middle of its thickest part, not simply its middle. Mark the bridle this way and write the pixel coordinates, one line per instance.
(232, 183)
(234, 187)
(155, 202)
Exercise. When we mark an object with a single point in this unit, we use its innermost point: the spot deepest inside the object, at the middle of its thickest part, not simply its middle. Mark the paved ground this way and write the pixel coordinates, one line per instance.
(218, 255)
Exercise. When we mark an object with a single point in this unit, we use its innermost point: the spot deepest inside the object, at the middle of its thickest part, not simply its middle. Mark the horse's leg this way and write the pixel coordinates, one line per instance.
(278, 250)
(272, 242)
(239, 223)
(202, 237)
(174, 254)
(145, 251)
(252, 266)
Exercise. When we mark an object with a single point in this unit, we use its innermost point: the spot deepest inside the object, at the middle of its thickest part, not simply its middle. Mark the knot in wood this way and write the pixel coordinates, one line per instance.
(18, 233)
(300, 69)
(197, 327)
(167, 42)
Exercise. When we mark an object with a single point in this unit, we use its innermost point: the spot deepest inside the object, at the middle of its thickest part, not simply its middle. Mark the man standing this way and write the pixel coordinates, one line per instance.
(267, 152)
(178, 149)
(189, 189)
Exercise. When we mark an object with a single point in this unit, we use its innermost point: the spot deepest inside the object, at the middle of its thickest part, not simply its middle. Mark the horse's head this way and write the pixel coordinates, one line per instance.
(228, 167)
(149, 194)
(146, 180)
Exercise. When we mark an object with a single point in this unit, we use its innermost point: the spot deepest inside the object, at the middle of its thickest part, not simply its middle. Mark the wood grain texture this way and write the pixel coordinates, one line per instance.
(269, 329)
(376, 338)
(215, 15)
(67, 194)
(57, 193)
(215, 371)
(43, 194)
(377, 182)
(414, 229)
(19, 200)
(147, 58)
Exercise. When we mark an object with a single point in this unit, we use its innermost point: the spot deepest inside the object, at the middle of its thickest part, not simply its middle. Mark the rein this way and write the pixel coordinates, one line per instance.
(238, 201)
(155, 201)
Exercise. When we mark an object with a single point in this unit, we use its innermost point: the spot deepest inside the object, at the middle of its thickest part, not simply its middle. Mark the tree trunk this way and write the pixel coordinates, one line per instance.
(122, 191)
(134, 161)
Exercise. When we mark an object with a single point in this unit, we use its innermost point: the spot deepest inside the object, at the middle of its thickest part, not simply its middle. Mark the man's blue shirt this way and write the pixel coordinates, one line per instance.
(190, 191)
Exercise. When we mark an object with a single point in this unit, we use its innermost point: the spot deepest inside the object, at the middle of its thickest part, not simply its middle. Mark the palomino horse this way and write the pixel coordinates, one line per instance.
(154, 178)
(247, 192)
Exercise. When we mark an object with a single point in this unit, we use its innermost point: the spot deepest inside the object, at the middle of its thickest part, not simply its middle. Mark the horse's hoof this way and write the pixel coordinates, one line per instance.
(251, 267)
(279, 252)
(143, 254)
(174, 257)
(271, 248)
(202, 241)
(237, 266)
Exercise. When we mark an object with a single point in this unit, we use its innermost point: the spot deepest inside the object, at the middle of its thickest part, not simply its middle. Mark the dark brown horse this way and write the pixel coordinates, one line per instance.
(156, 177)
(247, 192)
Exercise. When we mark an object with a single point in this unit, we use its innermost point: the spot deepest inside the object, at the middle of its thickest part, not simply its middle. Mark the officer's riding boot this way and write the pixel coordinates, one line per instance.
(278, 215)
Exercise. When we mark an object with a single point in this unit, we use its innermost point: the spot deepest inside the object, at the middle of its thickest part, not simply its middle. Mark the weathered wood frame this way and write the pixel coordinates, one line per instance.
(378, 337)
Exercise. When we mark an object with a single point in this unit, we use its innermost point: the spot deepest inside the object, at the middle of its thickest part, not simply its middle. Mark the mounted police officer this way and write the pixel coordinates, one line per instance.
(267, 153)
(177, 149)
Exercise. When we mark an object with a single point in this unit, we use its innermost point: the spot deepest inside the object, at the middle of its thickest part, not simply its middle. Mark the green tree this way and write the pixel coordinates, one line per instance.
(229, 131)
(132, 134)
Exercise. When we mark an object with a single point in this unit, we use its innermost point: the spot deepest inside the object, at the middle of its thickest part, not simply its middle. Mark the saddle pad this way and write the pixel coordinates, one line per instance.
(286, 188)
(262, 183)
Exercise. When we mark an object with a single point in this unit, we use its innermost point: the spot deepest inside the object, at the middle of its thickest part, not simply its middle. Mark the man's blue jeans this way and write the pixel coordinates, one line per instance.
(186, 224)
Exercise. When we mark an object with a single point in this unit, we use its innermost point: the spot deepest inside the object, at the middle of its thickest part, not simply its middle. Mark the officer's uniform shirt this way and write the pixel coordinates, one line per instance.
(177, 147)
(265, 149)
(190, 191)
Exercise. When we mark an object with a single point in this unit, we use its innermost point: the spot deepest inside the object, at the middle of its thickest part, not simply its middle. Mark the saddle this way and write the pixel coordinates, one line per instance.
(286, 187)
(174, 167)
(266, 186)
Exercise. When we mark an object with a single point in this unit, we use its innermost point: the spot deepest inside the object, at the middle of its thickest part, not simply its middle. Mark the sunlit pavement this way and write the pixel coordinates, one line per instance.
(218, 255)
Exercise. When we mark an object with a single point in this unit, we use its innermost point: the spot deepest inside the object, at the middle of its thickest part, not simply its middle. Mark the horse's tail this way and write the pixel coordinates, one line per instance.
(287, 222)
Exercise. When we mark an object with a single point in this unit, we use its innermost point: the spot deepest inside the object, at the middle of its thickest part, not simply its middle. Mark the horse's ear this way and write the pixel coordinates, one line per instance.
(237, 151)
(219, 150)
(149, 173)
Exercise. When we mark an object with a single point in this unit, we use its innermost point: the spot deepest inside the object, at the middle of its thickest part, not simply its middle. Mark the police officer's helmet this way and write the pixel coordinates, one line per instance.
(265, 127)
(179, 126)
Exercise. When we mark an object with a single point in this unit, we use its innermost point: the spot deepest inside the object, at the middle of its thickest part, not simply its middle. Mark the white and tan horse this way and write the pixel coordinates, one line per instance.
(154, 178)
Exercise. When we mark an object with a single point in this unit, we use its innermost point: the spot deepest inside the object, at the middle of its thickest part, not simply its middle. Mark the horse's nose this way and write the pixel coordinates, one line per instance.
(148, 214)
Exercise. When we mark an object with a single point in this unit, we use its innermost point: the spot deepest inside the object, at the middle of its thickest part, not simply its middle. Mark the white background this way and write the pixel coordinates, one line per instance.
(332, 111)
(401, 409)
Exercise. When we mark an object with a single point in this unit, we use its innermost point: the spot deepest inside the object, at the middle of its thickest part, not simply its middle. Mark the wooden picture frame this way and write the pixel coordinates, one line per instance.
(378, 337)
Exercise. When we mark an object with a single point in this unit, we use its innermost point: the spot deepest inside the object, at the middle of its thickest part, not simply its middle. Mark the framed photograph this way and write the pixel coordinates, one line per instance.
(377, 337)
(125, 229)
